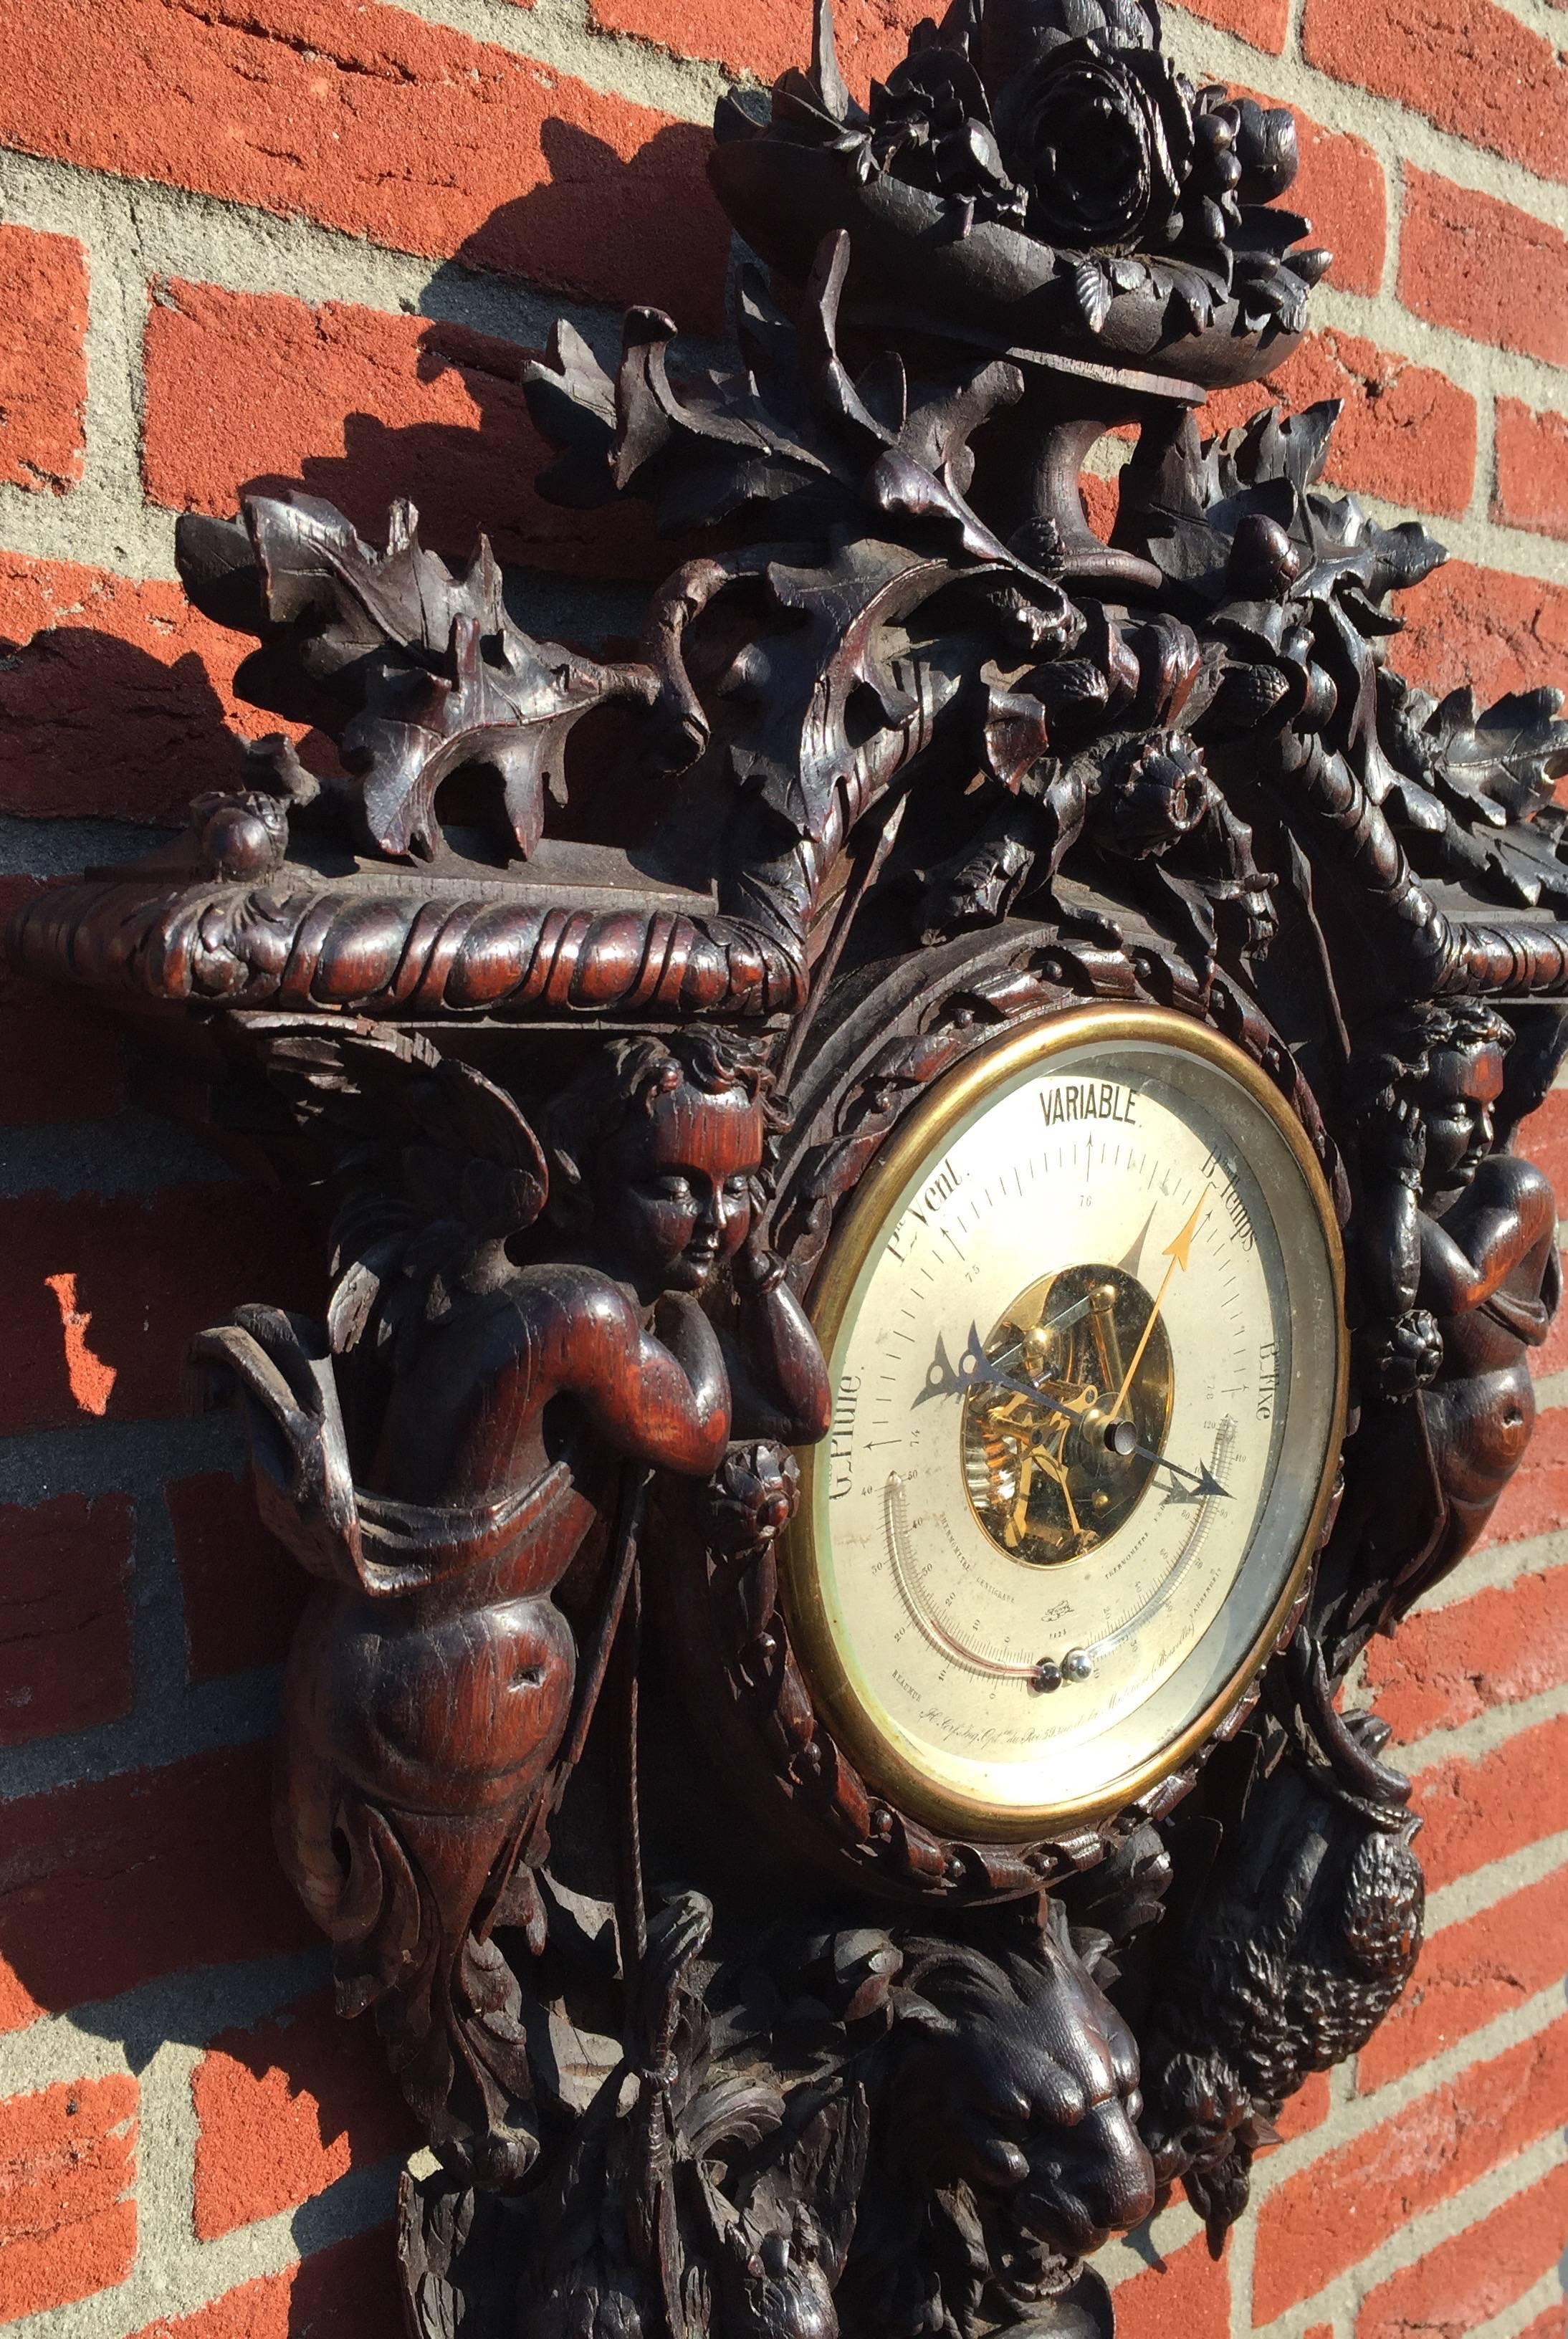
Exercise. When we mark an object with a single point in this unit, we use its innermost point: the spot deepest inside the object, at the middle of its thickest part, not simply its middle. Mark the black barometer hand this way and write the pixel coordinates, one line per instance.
(975, 1370)
(1121, 1438)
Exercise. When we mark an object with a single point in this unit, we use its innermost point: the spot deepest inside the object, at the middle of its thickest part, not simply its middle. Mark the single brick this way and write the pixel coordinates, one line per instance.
(103, 1293)
(761, 37)
(1334, 2213)
(1307, 2108)
(1264, 23)
(1470, 1973)
(1405, 432)
(285, 2109)
(1463, 2282)
(116, 1882)
(67, 2193)
(1341, 189)
(1532, 469)
(243, 1592)
(1484, 267)
(1444, 1667)
(347, 2292)
(258, 392)
(43, 358)
(56, 1063)
(1186, 2297)
(1535, 1499)
(368, 120)
(114, 696)
(64, 1615)
(1470, 66)
(1543, 1138)
(1484, 627)
(1481, 1809)
(1553, 2324)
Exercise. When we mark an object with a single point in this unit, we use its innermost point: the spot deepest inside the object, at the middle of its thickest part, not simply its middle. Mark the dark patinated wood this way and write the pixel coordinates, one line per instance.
(430, 1688)
(596, 1043)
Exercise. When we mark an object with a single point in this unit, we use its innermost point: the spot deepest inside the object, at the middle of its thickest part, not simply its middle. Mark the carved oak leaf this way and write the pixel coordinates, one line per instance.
(828, 685)
(441, 677)
(720, 439)
(938, 428)
(506, 705)
(1016, 734)
(1471, 795)
(788, 436)
(572, 400)
(1502, 762)
(351, 600)
(1362, 563)
(1272, 445)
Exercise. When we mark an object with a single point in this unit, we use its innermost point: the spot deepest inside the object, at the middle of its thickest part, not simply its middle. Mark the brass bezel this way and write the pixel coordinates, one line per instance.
(884, 1767)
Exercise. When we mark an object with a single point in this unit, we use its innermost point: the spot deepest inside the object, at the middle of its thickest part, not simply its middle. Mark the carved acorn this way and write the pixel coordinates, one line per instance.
(240, 835)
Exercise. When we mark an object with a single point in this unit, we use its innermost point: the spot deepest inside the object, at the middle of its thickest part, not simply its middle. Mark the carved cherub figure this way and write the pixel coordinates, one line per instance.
(444, 1488)
(1460, 1260)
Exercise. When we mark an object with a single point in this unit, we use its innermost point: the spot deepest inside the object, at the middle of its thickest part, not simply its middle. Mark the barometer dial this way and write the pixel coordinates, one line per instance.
(1084, 1323)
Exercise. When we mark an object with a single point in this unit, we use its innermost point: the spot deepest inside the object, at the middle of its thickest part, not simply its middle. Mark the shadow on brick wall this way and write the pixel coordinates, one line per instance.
(127, 716)
(95, 725)
(449, 426)
(142, 1893)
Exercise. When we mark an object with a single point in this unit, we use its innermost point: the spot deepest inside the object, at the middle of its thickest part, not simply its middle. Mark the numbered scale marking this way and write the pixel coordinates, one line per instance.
(1084, 1328)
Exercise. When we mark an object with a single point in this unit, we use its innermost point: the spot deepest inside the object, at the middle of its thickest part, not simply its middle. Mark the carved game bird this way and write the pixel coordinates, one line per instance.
(1307, 1934)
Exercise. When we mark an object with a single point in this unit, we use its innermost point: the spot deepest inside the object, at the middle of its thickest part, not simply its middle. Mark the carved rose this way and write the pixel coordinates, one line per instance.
(1401, 1357)
(1102, 144)
(752, 1496)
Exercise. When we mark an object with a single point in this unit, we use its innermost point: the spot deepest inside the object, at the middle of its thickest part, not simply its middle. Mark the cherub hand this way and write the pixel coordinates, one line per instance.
(1402, 1140)
(757, 1270)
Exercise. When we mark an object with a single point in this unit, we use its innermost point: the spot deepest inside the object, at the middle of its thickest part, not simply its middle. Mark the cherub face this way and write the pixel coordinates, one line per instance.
(1461, 1088)
(675, 1191)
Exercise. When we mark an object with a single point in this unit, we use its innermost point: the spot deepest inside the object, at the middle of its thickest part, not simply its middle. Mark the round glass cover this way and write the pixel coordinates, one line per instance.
(1084, 1322)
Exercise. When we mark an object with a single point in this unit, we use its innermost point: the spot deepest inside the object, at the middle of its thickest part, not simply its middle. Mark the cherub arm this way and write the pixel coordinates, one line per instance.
(1473, 1251)
(775, 1365)
(662, 1396)
(1392, 1220)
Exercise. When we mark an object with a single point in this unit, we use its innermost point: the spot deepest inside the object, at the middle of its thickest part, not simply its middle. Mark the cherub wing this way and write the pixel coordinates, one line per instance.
(439, 1159)
(281, 1368)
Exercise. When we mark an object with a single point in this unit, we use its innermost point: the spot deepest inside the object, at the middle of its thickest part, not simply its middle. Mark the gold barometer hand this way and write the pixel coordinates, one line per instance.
(1179, 1253)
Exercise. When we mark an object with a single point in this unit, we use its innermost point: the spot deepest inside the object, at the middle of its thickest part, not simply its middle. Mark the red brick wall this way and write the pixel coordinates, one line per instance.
(309, 241)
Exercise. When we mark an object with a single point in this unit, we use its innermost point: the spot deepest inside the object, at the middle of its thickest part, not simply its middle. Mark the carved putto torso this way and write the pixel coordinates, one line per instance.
(594, 993)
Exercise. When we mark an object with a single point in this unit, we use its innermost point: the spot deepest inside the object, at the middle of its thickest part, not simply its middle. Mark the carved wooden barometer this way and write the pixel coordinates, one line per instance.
(925, 1234)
